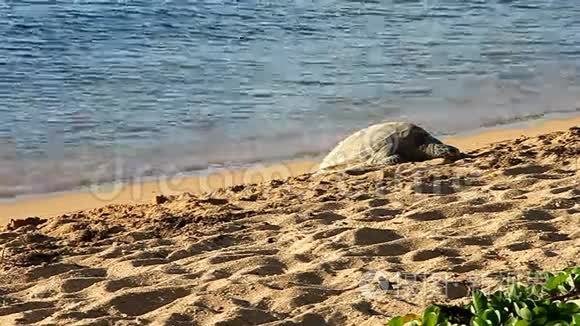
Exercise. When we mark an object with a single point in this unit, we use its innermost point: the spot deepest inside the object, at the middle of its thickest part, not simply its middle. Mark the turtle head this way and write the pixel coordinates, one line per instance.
(438, 150)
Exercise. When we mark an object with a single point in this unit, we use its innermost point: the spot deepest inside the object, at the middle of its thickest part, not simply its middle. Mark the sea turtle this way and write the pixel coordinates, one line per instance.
(387, 143)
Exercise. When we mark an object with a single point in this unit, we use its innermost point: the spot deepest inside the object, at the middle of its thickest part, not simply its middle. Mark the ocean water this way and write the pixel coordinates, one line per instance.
(96, 91)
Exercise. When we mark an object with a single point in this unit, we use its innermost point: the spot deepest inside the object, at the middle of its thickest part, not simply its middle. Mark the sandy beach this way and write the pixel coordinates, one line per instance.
(281, 246)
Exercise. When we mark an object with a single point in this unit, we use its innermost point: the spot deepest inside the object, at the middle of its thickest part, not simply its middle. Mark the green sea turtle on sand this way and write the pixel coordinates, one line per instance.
(387, 143)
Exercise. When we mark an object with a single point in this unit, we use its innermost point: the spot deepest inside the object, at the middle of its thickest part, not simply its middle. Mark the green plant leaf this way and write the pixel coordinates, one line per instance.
(413, 323)
(558, 323)
(570, 280)
(479, 302)
(397, 321)
(536, 290)
(555, 281)
(430, 319)
(513, 291)
(526, 313)
(540, 315)
(573, 270)
(555, 303)
(431, 315)
(575, 302)
(492, 316)
(477, 321)
(567, 308)
(576, 320)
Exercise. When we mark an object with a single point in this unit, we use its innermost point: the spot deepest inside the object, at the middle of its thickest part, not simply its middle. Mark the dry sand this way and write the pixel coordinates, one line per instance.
(144, 192)
(348, 248)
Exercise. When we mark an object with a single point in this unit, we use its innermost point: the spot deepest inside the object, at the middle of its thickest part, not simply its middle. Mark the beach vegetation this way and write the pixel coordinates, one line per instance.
(556, 302)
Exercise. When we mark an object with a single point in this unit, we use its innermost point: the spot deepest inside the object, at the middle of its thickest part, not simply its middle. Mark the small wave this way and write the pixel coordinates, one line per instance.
(488, 123)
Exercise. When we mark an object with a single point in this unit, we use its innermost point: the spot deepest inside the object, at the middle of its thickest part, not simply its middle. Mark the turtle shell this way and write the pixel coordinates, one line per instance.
(369, 145)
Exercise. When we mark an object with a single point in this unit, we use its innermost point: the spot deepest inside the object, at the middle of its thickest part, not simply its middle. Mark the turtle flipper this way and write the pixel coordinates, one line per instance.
(386, 160)
(362, 168)
(392, 160)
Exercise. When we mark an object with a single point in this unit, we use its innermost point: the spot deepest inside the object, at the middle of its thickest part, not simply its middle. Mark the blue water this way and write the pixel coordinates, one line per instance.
(94, 91)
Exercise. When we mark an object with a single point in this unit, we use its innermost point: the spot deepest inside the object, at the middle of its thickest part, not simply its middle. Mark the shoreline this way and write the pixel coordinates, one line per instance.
(47, 205)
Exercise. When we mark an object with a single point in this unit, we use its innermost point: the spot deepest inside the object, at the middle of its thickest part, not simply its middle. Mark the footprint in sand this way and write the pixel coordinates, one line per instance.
(246, 316)
(554, 236)
(44, 272)
(559, 190)
(178, 319)
(329, 233)
(440, 187)
(537, 215)
(378, 214)
(526, 169)
(139, 302)
(378, 202)
(521, 184)
(539, 226)
(148, 262)
(514, 194)
(143, 279)
(233, 256)
(298, 296)
(78, 284)
(427, 254)
(306, 278)
(454, 210)
(25, 307)
(214, 274)
(32, 316)
(393, 248)
(426, 215)
(481, 241)
(368, 236)
(519, 246)
(562, 203)
(326, 216)
(495, 207)
(261, 266)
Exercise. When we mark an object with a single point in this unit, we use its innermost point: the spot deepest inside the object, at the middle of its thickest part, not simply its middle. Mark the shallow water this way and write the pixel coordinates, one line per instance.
(94, 91)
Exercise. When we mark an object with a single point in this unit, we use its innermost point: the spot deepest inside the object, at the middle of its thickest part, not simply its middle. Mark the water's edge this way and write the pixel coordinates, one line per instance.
(308, 160)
